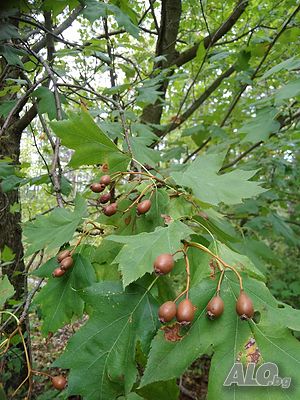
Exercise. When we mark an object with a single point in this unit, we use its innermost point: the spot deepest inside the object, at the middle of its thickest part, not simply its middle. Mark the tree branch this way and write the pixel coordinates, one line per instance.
(198, 102)
(210, 40)
(287, 121)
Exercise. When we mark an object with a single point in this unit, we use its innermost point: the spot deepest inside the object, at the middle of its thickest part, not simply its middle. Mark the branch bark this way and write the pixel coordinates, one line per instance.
(165, 46)
(211, 39)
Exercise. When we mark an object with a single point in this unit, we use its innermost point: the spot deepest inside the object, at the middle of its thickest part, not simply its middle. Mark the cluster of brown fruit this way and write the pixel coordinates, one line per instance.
(244, 306)
(142, 208)
(59, 382)
(99, 187)
(185, 311)
(65, 262)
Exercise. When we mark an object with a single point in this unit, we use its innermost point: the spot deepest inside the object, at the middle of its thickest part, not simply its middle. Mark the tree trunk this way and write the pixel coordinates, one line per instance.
(165, 46)
(11, 236)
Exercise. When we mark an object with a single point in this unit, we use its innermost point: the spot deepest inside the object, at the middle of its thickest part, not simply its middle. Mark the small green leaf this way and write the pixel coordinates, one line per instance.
(201, 176)
(288, 65)
(292, 89)
(142, 152)
(6, 290)
(137, 256)
(46, 101)
(260, 127)
(59, 299)
(54, 229)
(7, 254)
(90, 143)
(12, 55)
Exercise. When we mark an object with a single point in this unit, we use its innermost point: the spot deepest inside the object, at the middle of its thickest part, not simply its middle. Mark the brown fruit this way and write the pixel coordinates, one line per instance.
(110, 210)
(163, 263)
(58, 272)
(104, 198)
(63, 254)
(185, 312)
(167, 311)
(59, 382)
(244, 306)
(215, 307)
(66, 263)
(143, 207)
(105, 180)
(97, 187)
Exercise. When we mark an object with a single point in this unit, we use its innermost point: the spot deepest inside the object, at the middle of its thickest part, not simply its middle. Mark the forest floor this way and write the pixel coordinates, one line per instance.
(193, 384)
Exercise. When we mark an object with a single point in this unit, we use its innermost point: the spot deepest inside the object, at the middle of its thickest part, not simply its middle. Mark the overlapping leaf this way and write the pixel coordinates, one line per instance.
(230, 339)
(60, 299)
(202, 177)
(54, 229)
(90, 143)
(260, 127)
(102, 353)
(6, 290)
(139, 251)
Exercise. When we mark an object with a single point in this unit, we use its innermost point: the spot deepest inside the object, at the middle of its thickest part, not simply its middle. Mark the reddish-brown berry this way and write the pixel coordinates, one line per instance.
(63, 254)
(185, 312)
(244, 306)
(110, 210)
(104, 198)
(143, 207)
(105, 180)
(163, 264)
(66, 263)
(167, 311)
(97, 187)
(59, 382)
(215, 307)
(58, 272)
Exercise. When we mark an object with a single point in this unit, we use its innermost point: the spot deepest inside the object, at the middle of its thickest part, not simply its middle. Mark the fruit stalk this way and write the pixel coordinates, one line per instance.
(206, 250)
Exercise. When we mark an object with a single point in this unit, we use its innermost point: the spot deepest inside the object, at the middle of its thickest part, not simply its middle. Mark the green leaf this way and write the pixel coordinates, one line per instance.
(124, 20)
(243, 58)
(6, 290)
(139, 251)
(6, 254)
(54, 229)
(12, 55)
(201, 51)
(60, 299)
(91, 145)
(288, 91)
(260, 127)
(289, 64)
(230, 339)
(209, 187)
(147, 95)
(95, 9)
(102, 353)
(6, 107)
(142, 152)
(168, 391)
(46, 101)
(8, 31)
(241, 262)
